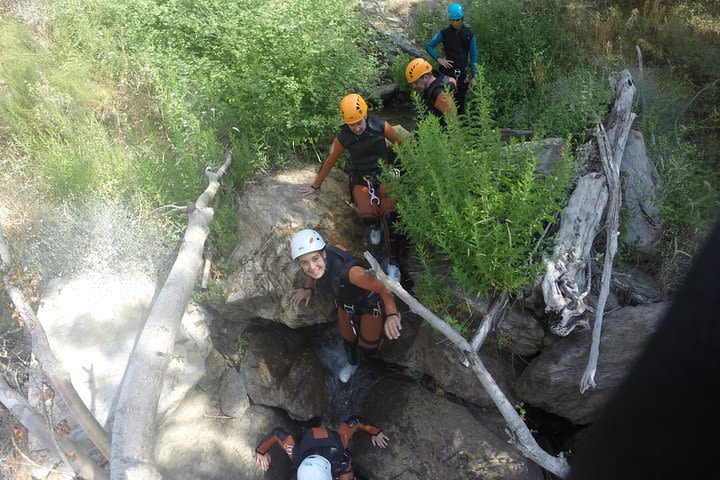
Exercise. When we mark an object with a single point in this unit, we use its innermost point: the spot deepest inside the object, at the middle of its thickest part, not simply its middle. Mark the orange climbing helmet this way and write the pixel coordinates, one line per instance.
(353, 108)
(416, 69)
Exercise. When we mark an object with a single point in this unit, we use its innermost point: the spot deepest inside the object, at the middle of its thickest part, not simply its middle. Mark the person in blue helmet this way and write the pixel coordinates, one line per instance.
(458, 43)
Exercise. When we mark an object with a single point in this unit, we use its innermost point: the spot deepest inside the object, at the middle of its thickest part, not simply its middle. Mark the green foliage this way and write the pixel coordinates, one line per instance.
(530, 60)
(417, 375)
(243, 339)
(275, 70)
(397, 70)
(689, 203)
(475, 202)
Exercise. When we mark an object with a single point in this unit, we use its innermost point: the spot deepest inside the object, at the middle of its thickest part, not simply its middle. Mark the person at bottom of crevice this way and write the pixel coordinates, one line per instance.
(366, 139)
(366, 308)
(322, 453)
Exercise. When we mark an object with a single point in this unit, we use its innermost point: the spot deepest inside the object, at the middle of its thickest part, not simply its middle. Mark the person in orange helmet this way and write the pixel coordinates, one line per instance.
(436, 89)
(364, 137)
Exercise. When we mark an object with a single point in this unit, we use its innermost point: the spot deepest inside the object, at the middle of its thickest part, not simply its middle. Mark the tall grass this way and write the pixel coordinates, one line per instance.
(132, 100)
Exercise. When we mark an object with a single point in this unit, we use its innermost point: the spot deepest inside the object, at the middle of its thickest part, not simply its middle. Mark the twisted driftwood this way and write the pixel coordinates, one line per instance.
(567, 276)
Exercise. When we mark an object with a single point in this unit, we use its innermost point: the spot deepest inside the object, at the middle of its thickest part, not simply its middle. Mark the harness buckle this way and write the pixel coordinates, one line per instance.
(457, 73)
(374, 199)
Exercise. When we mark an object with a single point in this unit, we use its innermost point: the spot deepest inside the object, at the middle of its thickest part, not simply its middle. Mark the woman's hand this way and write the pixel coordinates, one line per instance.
(445, 62)
(263, 460)
(380, 440)
(301, 294)
(392, 326)
(309, 190)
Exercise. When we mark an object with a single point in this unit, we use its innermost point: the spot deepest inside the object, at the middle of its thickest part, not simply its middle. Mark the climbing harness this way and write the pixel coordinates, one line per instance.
(374, 199)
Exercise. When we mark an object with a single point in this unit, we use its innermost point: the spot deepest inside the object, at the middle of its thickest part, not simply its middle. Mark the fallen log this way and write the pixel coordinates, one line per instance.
(134, 425)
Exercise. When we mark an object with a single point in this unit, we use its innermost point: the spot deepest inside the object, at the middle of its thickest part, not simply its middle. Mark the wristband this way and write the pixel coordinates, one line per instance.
(391, 314)
(314, 187)
(307, 288)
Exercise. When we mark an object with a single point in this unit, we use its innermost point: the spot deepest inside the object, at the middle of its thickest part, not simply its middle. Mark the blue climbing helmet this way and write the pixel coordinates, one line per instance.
(456, 12)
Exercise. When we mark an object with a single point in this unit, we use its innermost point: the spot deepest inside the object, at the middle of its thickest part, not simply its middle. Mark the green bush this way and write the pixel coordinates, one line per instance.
(275, 70)
(466, 197)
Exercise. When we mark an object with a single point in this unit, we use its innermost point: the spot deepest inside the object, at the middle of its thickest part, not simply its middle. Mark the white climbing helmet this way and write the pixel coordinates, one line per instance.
(305, 241)
(314, 467)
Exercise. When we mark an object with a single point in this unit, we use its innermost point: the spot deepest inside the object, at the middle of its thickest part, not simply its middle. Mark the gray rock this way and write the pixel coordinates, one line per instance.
(552, 380)
(233, 396)
(281, 371)
(263, 275)
(434, 355)
(640, 182)
(519, 332)
(196, 442)
(431, 437)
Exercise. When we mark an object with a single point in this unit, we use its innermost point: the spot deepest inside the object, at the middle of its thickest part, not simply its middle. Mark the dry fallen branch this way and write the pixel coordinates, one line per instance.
(57, 376)
(522, 438)
(133, 434)
(612, 147)
(490, 320)
(84, 466)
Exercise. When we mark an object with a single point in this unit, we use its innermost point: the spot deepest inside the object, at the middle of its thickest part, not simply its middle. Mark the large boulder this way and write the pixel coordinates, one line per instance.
(518, 331)
(640, 182)
(272, 210)
(280, 370)
(434, 355)
(552, 380)
(431, 437)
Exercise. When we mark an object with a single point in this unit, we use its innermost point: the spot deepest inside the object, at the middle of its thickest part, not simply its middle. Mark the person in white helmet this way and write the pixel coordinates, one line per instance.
(367, 312)
(322, 454)
(366, 138)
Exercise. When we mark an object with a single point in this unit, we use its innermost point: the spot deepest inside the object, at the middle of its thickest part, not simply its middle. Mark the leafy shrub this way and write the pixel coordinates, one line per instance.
(481, 205)
(275, 70)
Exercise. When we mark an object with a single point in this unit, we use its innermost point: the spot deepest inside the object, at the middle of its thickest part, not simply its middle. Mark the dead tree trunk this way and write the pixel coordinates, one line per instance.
(611, 142)
(57, 376)
(133, 433)
(521, 436)
(81, 464)
(566, 281)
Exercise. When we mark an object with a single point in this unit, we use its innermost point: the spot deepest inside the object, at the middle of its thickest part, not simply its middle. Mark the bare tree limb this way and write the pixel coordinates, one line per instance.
(206, 271)
(612, 147)
(35, 423)
(523, 439)
(489, 321)
(134, 425)
(57, 376)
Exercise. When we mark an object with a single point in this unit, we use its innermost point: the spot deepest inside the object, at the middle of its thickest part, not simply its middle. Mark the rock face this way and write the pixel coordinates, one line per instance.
(272, 211)
(91, 324)
(640, 182)
(519, 332)
(551, 381)
(431, 354)
(433, 438)
(281, 371)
